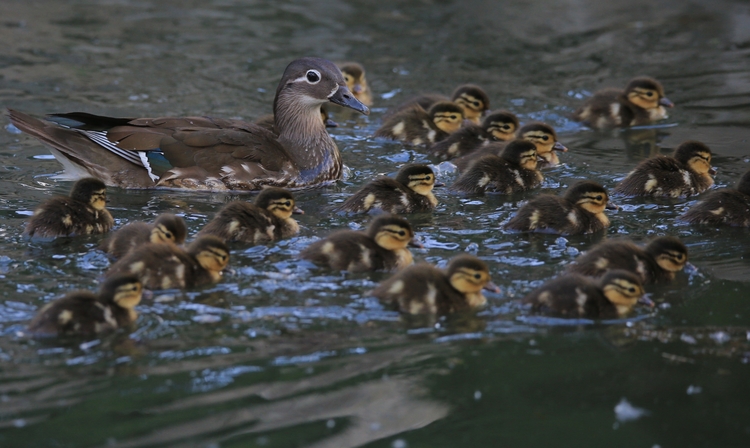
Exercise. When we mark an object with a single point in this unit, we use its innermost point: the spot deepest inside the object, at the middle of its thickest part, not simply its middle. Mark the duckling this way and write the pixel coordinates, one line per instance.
(82, 213)
(166, 266)
(641, 103)
(409, 192)
(268, 219)
(541, 134)
(498, 126)
(472, 99)
(267, 121)
(573, 295)
(425, 289)
(417, 127)
(514, 170)
(686, 173)
(167, 229)
(656, 262)
(354, 76)
(728, 206)
(579, 210)
(382, 246)
(85, 313)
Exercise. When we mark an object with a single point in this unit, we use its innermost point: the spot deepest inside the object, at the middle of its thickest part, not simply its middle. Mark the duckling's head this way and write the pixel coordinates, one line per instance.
(589, 195)
(696, 156)
(622, 288)
(90, 191)
(419, 178)
(544, 137)
(521, 152)
(354, 76)
(168, 228)
(278, 201)
(124, 290)
(743, 186)
(469, 275)
(211, 252)
(447, 116)
(473, 100)
(502, 125)
(647, 93)
(391, 232)
(669, 252)
(307, 84)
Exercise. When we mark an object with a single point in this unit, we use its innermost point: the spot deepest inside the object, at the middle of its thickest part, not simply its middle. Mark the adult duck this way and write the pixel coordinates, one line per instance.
(203, 153)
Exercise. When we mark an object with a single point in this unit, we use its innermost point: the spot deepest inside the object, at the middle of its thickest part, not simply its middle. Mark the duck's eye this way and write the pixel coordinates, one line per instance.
(599, 198)
(505, 128)
(631, 290)
(168, 234)
(287, 203)
(313, 76)
(478, 276)
(453, 117)
(428, 178)
(545, 138)
(649, 94)
(476, 104)
(401, 233)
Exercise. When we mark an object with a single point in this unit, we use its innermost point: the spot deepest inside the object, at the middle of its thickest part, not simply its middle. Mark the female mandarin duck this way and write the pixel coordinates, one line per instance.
(498, 126)
(472, 99)
(268, 219)
(167, 229)
(86, 313)
(686, 173)
(382, 246)
(514, 170)
(656, 262)
(205, 153)
(409, 192)
(573, 295)
(166, 266)
(83, 213)
(354, 76)
(641, 103)
(579, 210)
(728, 206)
(425, 289)
(416, 126)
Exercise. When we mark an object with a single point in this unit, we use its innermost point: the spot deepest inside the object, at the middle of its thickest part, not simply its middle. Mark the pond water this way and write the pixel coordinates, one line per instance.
(282, 353)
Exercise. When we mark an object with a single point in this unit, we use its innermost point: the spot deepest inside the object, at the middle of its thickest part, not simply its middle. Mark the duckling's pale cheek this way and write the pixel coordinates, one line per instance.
(658, 113)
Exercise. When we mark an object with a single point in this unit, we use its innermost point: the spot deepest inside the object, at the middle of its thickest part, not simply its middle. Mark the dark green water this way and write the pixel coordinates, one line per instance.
(284, 354)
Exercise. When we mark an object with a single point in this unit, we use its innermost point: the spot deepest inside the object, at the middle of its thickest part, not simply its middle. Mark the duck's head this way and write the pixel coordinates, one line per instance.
(544, 137)
(419, 178)
(521, 152)
(392, 233)
(211, 253)
(469, 275)
(354, 76)
(124, 290)
(168, 228)
(307, 84)
(590, 196)
(647, 93)
(90, 191)
(623, 289)
(447, 116)
(743, 186)
(473, 100)
(278, 201)
(696, 156)
(502, 125)
(669, 252)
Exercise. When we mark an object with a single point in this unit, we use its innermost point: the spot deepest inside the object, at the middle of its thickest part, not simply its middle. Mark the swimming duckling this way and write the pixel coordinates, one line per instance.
(269, 218)
(573, 295)
(656, 262)
(514, 170)
(472, 99)
(728, 206)
(85, 313)
(686, 173)
(167, 229)
(268, 122)
(166, 266)
(498, 126)
(425, 289)
(409, 192)
(641, 103)
(382, 246)
(83, 213)
(354, 76)
(419, 127)
(579, 210)
(541, 134)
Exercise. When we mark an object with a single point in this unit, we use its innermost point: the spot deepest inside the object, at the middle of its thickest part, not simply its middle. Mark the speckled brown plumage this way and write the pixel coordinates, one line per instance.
(728, 206)
(498, 126)
(514, 170)
(167, 228)
(409, 192)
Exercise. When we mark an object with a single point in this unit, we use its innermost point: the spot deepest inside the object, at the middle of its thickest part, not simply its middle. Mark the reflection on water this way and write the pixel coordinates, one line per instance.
(283, 353)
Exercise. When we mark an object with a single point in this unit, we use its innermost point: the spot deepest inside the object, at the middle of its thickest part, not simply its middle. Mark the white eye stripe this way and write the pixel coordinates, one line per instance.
(304, 77)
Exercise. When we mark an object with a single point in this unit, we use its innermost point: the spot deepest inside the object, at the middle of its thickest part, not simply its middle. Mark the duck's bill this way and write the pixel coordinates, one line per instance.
(612, 206)
(645, 301)
(298, 211)
(343, 97)
(416, 243)
(712, 171)
(491, 287)
(438, 184)
(331, 124)
(665, 102)
(559, 147)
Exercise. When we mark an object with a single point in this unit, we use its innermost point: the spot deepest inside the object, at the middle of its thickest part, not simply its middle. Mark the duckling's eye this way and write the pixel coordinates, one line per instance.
(347, 78)
(505, 128)
(453, 117)
(649, 94)
(631, 290)
(478, 276)
(545, 138)
(168, 234)
(401, 233)
(599, 198)
(287, 203)
(313, 76)
(476, 103)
